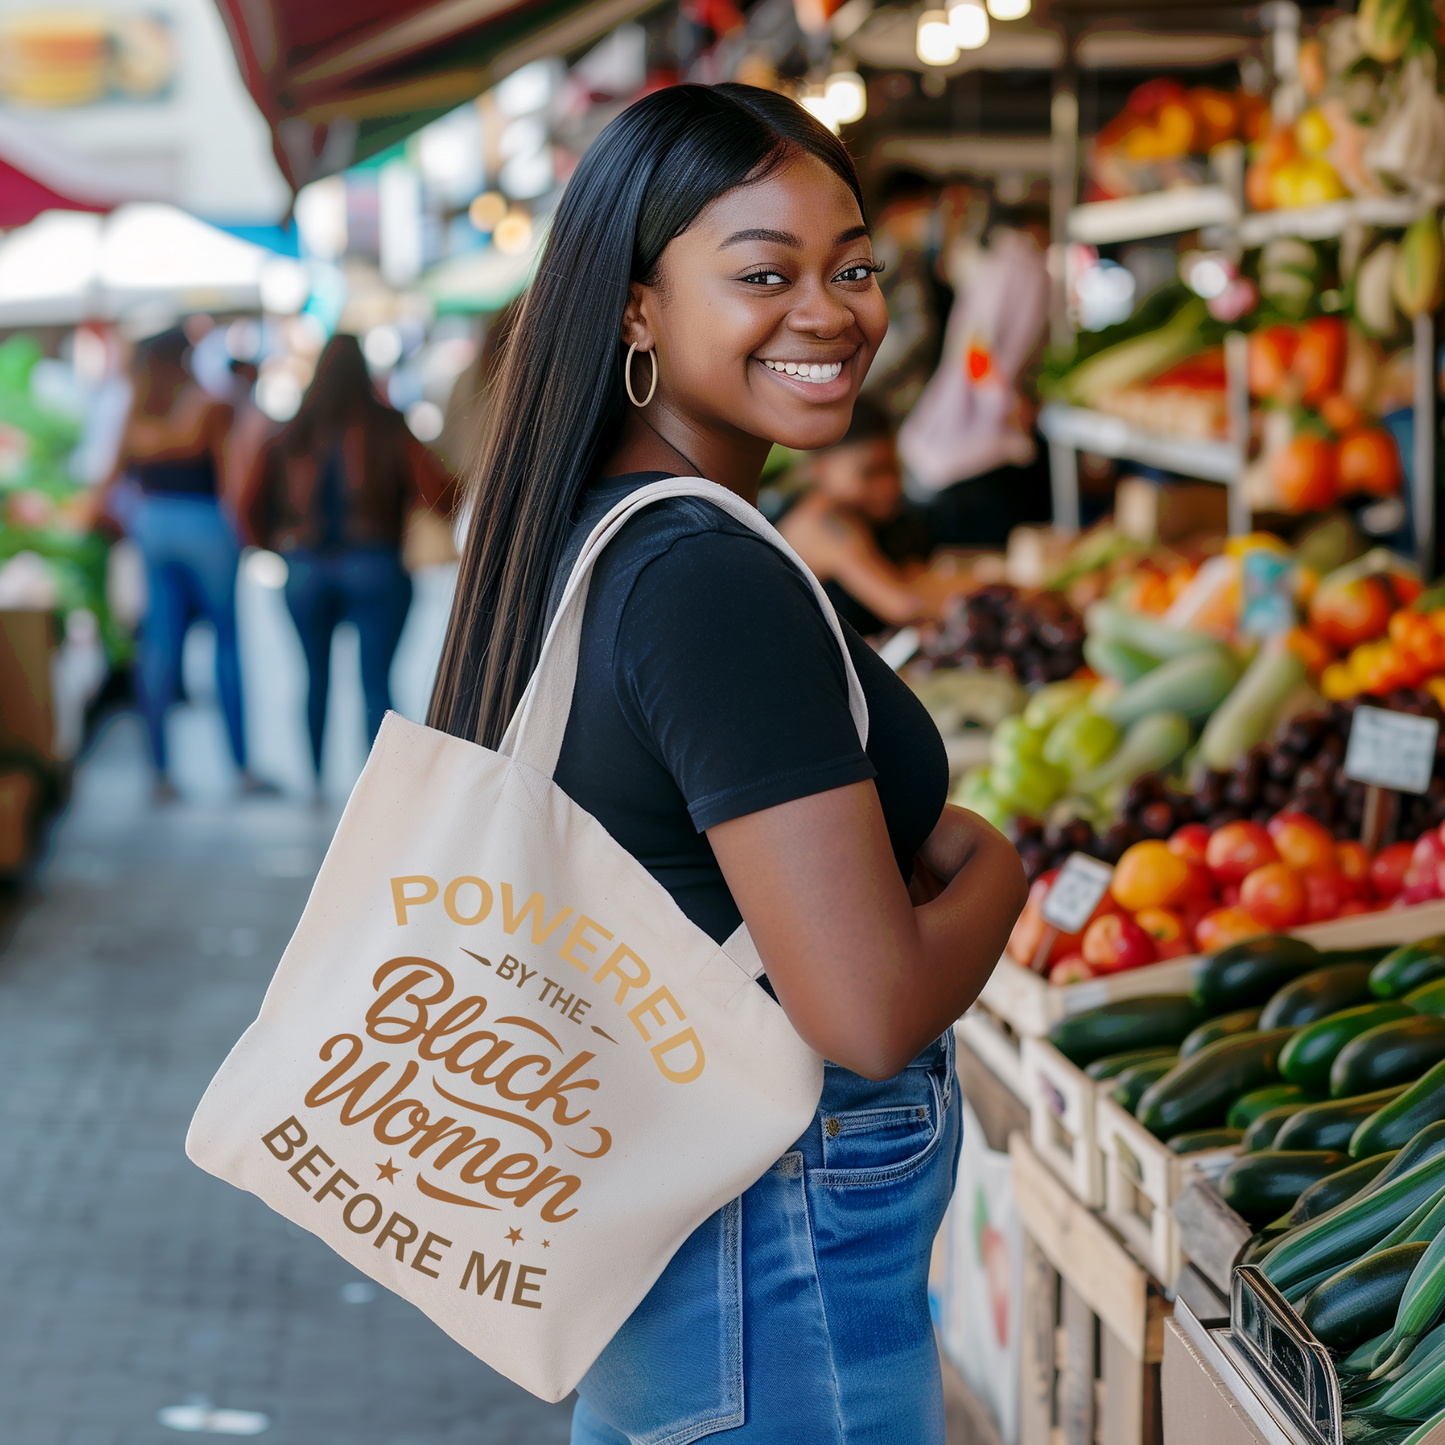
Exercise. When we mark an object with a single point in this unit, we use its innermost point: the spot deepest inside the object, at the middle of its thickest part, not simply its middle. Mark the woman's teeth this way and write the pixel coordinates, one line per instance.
(820, 372)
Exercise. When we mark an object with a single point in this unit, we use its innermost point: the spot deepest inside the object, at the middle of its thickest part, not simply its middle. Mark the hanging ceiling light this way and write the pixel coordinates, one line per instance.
(847, 96)
(969, 23)
(936, 42)
(815, 101)
(1009, 9)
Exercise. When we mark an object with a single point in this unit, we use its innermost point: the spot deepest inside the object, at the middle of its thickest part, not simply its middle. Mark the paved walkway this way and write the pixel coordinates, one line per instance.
(131, 1282)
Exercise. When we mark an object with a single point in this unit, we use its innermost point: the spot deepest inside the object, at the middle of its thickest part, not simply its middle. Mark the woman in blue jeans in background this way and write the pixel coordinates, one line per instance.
(173, 451)
(719, 232)
(332, 493)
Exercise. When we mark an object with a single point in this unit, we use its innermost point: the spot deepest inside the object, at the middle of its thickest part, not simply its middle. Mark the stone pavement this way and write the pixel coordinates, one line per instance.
(130, 1281)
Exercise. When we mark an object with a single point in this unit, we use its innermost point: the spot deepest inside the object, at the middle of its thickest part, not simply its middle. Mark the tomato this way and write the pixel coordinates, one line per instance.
(1190, 841)
(1145, 99)
(1341, 414)
(1352, 861)
(1348, 613)
(1114, 943)
(1167, 930)
(1028, 931)
(1301, 842)
(1237, 849)
(1387, 869)
(1149, 875)
(1270, 353)
(1319, 359)
(1275, 895)
(1305, 474)
(1216, 114)
(1070, 969)
(1368, 461)
(1225, 926)
(1191, 911)
(1326, 892)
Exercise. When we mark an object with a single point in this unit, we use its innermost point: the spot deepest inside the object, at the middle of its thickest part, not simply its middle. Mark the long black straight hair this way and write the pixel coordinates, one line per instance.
(556, 401)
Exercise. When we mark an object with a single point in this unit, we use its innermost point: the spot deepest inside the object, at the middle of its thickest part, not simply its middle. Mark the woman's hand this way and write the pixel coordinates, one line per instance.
(867, 978)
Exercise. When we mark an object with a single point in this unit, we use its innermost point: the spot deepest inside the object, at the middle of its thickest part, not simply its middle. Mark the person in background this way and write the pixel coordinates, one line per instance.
(172, 450)
(332, 493)
(860, 537)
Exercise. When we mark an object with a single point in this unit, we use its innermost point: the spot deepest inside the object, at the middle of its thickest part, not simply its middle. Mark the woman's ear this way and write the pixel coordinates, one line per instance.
(636, 327)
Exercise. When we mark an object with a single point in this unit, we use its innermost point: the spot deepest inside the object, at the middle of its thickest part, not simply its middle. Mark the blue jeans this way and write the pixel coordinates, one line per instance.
(364, 585)
(799, 1312)
(191, 556)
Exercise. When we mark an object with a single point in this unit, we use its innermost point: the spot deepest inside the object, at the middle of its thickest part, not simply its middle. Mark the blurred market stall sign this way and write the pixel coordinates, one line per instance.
(340, 80)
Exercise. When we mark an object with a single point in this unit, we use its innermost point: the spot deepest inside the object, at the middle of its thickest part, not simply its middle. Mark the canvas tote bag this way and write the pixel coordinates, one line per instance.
(498, 1070)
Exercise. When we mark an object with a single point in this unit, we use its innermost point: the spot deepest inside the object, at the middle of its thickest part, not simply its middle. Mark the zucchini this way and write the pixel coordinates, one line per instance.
(1407, 1120)
(1429, 998)
(1421, 1303)
(1129, 1086)
(1307, 1059)
(1197, 1140)
(1331, 1125)
(1244, 717)
(1316, 995)
(1192, 686)
(1117, 660)
(1248, 1107)
(1407, 967)
(1371, 955)
(1197, 1092)
(1336, 1188)
(1398, 1052)
(1425, 1144)
(1261, 1134)
(1349, 1229)
(1261, 1187)
(1150, 1021)
(1251, 972)
(1361, 1299)
(1242, 1021)
(1144, 633)
(1113, 1064)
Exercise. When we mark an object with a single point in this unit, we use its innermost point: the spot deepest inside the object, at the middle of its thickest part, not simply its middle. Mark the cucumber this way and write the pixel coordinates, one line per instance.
(1197, 1140)
(1113, 1064)
(1251, 972)
(1260, 1187)
(1197, 1092)
(1413, 1119)
(1429, 998)
(1150, 1021)
(1422, 1145)
(1316, 995)
(1261, 1134)
(1331, 1125)
(1117, 660)
(1407, 967)
(1338, 1187)
(1349, 1229)
(1390, 1053)
(1307, 1059)
(1241, 1022)
(1129, 1086)
(1362, 1298)
(1146, 634)
(1248, 1107)
(1193, 686)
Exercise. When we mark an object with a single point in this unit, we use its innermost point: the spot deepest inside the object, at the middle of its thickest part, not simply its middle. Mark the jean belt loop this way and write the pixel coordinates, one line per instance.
(947, 1064)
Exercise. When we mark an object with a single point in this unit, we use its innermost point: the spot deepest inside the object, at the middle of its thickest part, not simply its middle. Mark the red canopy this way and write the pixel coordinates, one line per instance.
(22, 198)
(339, 80)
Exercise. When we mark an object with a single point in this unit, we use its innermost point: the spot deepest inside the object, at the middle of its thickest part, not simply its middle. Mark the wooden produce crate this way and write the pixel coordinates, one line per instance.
(1061, 1098)
(1211, 1234)
(1093, 1332)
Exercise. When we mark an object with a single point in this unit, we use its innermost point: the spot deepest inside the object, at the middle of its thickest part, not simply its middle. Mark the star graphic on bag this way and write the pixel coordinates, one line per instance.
(387, 1171)
(514, 1235)
(546, 1244)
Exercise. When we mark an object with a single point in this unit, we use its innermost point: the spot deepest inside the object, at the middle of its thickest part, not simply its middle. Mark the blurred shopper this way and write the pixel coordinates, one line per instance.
(860, 537)
(172, 452)
(332, 493)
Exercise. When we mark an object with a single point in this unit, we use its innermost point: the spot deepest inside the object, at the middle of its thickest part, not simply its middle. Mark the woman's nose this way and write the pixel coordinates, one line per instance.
(820, 313)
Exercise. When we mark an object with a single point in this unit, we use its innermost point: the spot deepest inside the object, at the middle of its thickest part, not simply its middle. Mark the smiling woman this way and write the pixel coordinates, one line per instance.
(765, 775)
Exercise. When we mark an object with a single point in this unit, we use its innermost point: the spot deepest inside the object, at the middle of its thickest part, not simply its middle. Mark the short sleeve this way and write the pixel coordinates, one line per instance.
(728, 672)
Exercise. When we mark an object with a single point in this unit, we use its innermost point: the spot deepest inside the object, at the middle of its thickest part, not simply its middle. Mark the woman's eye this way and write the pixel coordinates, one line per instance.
(861, 272)
(765, 278)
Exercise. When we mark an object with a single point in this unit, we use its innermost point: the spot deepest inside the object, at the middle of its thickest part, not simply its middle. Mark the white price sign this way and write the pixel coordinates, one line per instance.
(1076, 892)
(1391, 749)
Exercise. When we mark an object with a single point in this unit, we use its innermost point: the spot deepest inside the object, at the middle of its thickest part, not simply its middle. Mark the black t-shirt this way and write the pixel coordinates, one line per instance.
(709, 685)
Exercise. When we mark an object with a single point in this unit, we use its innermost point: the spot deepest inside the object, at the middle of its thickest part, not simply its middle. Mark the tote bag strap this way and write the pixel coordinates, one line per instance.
(534, 735)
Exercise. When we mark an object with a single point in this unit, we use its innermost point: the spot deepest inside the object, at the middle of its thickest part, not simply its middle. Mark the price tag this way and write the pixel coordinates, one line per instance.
(1076, 892)
(1391, 749)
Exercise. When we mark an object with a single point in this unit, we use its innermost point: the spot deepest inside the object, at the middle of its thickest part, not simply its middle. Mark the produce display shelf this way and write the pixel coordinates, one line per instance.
(1319, 223)
(1110, 436)
(1063, 1101)
(1157, 213)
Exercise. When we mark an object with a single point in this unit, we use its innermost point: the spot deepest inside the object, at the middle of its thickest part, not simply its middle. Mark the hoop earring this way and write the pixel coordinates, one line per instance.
(627, 377)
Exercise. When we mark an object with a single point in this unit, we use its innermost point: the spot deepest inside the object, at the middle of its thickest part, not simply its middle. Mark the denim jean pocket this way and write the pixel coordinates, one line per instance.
(882, 1145)
(674, 1372)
